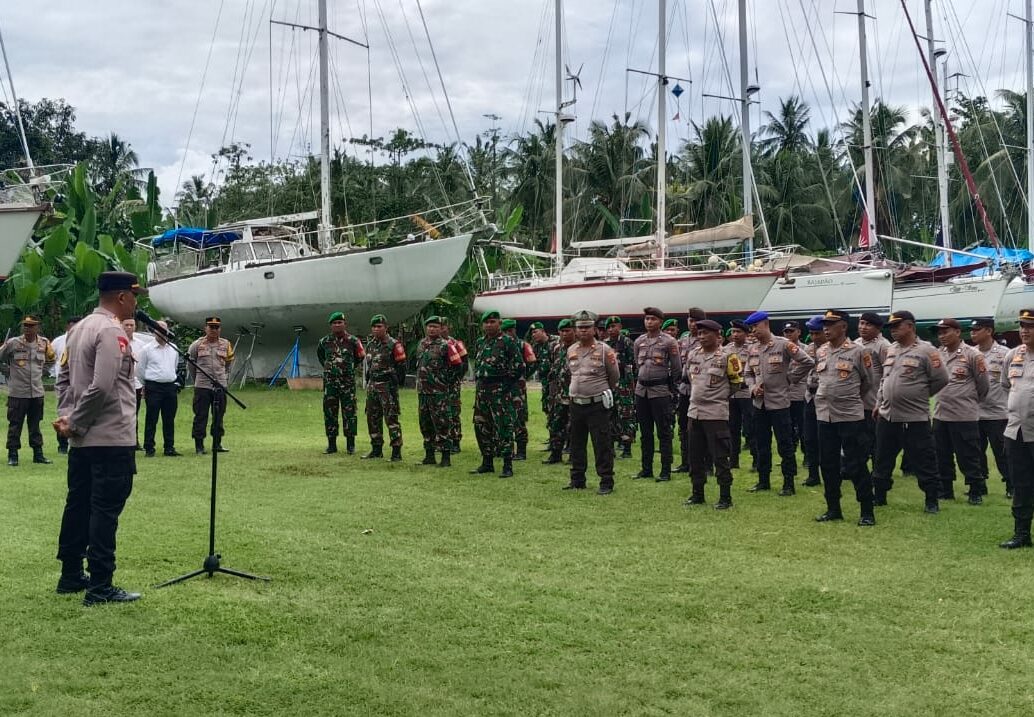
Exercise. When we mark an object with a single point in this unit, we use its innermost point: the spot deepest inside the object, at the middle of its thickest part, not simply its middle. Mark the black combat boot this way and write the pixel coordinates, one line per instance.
(331, 444)
(62, 445)
(682, 468)
(977, 491)
(12, 458)
(697, 497)
(788, 488)
(38, 457)
(762, 484)
(868, 518)
(446, 461)
(626, 451)
(507, 467)
(487, 465)
(72, 581)
(724, 498)
(455, 447)
(554, 457)
(931, 506)
(375, 452)
(833, 512)
(396, 454)
(521, 453)
(429, 459)
(1020, 537)
(199, 446)
(665, 474)
(217, 447)
(350, 445)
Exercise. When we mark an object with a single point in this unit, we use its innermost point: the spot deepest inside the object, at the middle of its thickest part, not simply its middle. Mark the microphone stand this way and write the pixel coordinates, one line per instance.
(212, 563)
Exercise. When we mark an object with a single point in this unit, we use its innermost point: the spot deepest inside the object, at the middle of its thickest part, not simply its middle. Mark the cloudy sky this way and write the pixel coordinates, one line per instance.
(138, 67)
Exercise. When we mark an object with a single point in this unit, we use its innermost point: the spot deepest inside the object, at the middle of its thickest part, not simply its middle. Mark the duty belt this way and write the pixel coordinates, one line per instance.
(654, 382)
(587, 401)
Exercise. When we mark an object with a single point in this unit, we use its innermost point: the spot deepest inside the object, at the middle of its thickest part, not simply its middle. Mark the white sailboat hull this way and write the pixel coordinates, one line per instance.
(722, 294)
(803, 296)
(1018, 296)
(16, 225)
(963, 300)
(396, 281)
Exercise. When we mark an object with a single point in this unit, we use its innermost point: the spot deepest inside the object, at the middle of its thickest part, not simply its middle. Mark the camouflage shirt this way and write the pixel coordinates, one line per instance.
(559, 374)
(437, 363)
(498, 357)
(339, 357)
(385, 359)
(624, 349)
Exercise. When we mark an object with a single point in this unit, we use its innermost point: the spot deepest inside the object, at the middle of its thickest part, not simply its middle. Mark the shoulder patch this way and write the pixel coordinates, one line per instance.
(935, 359)
(867, 359)
(123, 343)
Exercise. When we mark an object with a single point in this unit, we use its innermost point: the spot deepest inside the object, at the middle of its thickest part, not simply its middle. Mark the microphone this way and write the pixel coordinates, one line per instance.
(154, 326)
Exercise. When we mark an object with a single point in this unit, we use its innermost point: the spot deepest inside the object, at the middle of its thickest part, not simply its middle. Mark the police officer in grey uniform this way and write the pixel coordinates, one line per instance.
(993, 412)
(810, 427)
(844, 371)
(741, 406)
(97, 414)
(956, 412)
(1018, 380)
(29, 356)
(870, 337)
(712, 375)
(798, 391)
(687, 343)
(912, 374)
(594, 377)
(774, 364)
(215, 355)
(659, 368)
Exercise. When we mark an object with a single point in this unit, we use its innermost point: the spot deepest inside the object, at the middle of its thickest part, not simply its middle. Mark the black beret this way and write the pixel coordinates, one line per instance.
(653, 311)
(872, 318)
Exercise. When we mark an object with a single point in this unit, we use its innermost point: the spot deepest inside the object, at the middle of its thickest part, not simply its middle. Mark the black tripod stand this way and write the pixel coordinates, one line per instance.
(212, 564)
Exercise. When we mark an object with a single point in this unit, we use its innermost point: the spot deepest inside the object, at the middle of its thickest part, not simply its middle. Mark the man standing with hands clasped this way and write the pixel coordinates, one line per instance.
(30, 355)
(214, 354)
(594, 377)
(97, 414)
(658, 368)
(1018, 380)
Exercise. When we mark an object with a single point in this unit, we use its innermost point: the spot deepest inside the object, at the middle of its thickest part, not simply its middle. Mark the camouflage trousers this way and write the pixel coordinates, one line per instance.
(623, 423)
(558, 422)
(520, 402)
(339, 398)
(436, 420)
(545, 399)
(382, 408)
(495, 419)
(456, 414)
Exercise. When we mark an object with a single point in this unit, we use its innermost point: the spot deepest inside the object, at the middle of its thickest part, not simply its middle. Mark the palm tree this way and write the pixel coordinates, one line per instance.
(195, 200)
(114, 159)
(530, 179)
(788, 131)
(710, 164)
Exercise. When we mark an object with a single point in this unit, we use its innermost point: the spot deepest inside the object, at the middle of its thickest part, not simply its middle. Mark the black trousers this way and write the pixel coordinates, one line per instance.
(591, 421)
(655, 413)
(766, 422)
(870, 430)
(160, 402)
(1021, 470)
(204, 401)
(810, 440)
(710, 443)
(682, 421)
(797, 420)
(957, 441)
(741, 426)
(100, 480)
(992, 433)
(915, 440)
(843, 448)
(20, 411)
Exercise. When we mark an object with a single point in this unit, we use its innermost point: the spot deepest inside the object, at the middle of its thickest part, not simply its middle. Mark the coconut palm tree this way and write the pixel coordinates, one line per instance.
(115, 159)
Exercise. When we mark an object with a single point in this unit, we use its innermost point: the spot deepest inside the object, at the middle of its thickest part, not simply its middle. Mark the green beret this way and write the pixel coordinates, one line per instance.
(336, 316)
(490, 314)
(378, 319)
(669, 322)
(565, 324)
(613, 320)
(684, 334)
(538, 325)
(432, 320)
(508, 324)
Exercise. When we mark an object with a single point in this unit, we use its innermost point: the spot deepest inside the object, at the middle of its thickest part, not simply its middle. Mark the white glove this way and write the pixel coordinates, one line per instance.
(608, 399)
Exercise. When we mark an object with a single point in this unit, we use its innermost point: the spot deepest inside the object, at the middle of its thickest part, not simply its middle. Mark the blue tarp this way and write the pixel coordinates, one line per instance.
(994, 257)
(196, 238)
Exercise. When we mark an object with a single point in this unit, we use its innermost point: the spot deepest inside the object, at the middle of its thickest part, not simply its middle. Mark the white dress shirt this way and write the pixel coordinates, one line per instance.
(157, 363)
(58, 345)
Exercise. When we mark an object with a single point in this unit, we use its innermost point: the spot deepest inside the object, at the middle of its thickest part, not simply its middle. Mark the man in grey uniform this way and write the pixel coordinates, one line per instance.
(97, 413)
(1018, 380)
(912, 374)
(659, 368)
(594, 378)
(29, 356)
(993, 409)
(870, 337)
(956, 412)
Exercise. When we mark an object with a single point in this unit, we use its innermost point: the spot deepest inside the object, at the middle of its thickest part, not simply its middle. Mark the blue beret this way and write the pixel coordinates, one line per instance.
(756, 318)
(814, 323)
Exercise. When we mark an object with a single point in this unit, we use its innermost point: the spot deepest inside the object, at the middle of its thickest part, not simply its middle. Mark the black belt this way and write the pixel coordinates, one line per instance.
(654, 382)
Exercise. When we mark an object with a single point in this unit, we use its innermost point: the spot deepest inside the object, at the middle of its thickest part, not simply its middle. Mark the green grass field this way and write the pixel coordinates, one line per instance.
(400, 589)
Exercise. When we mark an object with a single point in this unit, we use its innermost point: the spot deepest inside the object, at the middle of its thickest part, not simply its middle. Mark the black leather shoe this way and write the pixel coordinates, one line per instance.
(68, 584)
(683, 468)
(932, 507)
(572, 486)
(723, 504)
(12, 458)
(149, 453)
(604, 491)
(218, 448)
(829, 516)
(108, 593)
(787, 491)
(642, 474)
(695, 500)
(663, 478)
(975, 498)
(1020, 540)
(173, 453)
(38, 457)
(867, 521)
(757, 487)
(554, 458)
(812, 482)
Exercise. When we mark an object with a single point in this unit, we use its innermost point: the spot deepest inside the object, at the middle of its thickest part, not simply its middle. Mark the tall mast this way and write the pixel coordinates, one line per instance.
(1029, 49)
(869, 201)
(558, 135)
(942, 164)
(662, 121)
(17, 109)
(748, 174)
(325, 223)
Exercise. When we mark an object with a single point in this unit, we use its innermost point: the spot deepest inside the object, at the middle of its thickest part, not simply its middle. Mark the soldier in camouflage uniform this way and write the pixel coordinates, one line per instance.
(623, 419)
(385, 370)
(559, 399)
(498, 364)
(437, 362)
(520, 396)
(455, 387)
(542, 343)
(338, 353)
